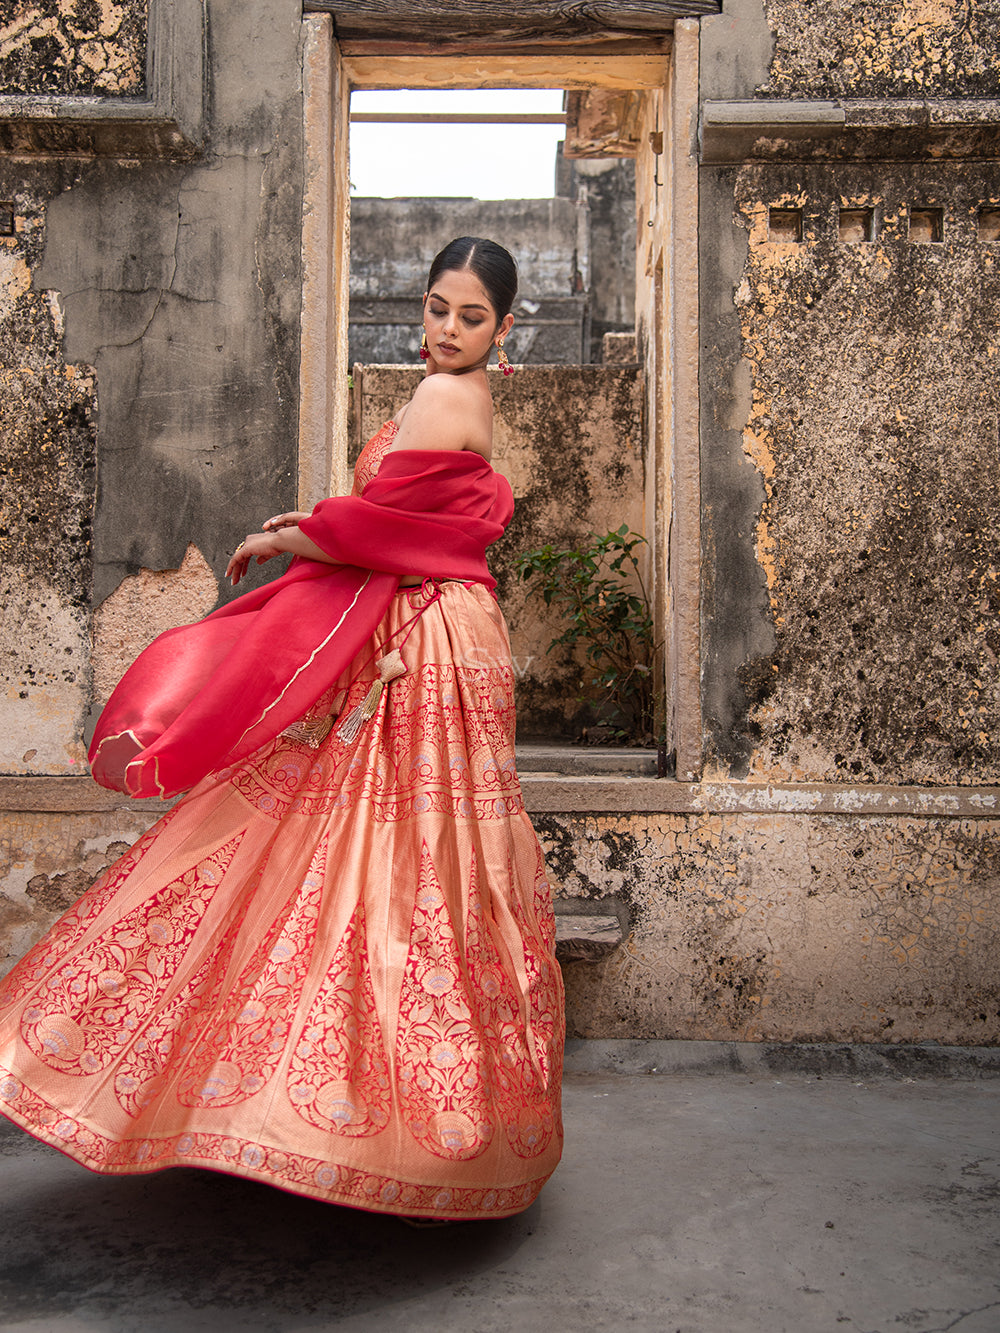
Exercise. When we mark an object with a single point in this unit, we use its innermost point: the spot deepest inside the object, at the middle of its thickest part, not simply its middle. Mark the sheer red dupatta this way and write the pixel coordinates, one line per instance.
(206, 695)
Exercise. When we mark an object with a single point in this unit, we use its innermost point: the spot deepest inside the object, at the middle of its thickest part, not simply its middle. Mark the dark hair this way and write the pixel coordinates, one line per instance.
(490, 263)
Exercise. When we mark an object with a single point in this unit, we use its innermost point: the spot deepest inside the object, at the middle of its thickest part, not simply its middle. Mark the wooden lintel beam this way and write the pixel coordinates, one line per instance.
(516, 71)
(504, 21)
(648, 45)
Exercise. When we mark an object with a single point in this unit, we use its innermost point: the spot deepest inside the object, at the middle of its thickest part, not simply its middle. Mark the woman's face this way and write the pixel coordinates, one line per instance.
(460, 322)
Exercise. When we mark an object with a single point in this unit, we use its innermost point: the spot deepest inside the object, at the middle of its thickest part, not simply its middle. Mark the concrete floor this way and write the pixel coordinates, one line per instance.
(689, 1200)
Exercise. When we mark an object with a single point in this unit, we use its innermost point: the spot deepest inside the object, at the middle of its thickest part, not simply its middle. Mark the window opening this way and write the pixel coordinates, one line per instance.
(428, 164)
(784, 225)
(856, 225)
(926, 225)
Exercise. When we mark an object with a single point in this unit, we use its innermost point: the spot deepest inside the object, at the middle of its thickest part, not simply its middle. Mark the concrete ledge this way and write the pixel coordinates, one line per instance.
(544, 793)
(71, 795)
(601, 793)
(732, 132)
(634, 1057)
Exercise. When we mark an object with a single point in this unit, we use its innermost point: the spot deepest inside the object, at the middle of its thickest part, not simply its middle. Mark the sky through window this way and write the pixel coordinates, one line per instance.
(463, 161)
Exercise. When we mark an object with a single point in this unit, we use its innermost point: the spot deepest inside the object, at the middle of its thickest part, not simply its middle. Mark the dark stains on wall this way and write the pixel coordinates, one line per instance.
(181, 285)
(874, 429)
(74, 48)
(737, 630)
(58, 893)
(48, 430)
(884, 48)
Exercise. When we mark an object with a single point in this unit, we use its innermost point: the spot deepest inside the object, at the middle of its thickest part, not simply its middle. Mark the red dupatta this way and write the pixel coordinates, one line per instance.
(206, 695)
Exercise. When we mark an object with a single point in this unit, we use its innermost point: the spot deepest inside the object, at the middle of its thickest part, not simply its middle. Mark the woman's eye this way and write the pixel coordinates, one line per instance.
(438, 314)
(473, 323)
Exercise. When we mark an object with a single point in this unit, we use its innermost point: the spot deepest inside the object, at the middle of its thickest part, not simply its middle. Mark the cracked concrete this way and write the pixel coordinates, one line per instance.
(764, 1202)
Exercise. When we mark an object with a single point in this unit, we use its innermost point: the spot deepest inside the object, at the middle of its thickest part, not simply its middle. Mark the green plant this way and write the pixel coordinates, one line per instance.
(599, 590)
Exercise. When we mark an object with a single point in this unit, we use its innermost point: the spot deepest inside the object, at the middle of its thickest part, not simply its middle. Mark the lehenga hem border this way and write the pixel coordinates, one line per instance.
(292, 1172)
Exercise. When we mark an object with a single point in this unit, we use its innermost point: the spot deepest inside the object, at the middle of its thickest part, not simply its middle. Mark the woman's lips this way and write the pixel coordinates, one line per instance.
(449, 349)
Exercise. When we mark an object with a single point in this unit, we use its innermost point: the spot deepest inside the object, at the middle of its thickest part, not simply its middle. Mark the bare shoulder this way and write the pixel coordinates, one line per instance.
(447, 412)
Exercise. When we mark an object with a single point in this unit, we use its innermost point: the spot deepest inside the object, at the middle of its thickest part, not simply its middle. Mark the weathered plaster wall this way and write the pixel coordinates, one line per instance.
(47, 435)
(569, 440)
(786, 927)
(849, 430)
(73, 47)
(188, 308)
(883, 48)
(47, 860)
(874, 428)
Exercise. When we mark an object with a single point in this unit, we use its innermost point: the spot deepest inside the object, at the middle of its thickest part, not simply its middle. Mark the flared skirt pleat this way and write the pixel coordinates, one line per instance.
(330, 968)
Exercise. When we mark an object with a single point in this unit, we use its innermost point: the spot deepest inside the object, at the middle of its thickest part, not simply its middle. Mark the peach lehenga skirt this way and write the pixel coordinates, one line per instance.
(330, 969)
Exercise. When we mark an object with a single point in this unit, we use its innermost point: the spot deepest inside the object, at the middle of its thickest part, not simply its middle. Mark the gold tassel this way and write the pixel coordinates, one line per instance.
(313, 729)
(390, 667)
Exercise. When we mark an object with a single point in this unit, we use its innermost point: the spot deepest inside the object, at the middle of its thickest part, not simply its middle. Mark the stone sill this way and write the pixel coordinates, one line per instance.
(91, 127)
(738, 131)
(561, 793)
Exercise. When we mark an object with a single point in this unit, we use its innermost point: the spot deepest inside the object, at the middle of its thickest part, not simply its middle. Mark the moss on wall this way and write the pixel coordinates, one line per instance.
(874, 429)
(74, 48)
(883, 48)
(47, 445)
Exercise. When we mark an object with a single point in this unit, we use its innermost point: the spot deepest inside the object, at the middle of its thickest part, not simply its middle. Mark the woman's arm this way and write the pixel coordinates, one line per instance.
(264, 546)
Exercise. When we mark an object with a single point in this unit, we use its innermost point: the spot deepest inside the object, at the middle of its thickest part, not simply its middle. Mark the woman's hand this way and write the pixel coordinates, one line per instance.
(291, 520)
(259, 546)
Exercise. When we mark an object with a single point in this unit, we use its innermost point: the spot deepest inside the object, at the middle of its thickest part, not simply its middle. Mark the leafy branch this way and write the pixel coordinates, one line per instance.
(599, 591)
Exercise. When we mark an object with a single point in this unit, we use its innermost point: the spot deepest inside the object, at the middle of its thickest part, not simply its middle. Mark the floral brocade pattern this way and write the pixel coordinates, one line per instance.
(445, 738)
(445, 1078)
(338, 1075)
(94, 1005)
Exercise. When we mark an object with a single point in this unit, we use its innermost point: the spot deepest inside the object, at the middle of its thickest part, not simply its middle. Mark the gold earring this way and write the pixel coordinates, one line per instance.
(424, 349)
(505, 365)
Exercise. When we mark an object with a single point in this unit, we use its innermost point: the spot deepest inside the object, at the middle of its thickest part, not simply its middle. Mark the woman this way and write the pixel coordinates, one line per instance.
(330, 966)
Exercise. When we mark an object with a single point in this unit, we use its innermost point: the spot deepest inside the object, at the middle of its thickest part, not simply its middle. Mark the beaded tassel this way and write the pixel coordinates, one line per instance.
(390, 667)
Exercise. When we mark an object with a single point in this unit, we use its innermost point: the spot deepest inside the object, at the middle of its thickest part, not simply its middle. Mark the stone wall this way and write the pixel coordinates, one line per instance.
(786, 926)
(834, 874)
(48, 411)
(850, 408)
(882, 48)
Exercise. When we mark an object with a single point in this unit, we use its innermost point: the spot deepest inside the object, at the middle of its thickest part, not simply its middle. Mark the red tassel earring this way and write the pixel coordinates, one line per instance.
(424, 350)
(505, 365)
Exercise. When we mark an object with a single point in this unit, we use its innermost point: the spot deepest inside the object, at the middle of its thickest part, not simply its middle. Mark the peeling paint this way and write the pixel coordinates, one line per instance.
(875, 406)
(785, 927)
(883, 48)
(74, 47)
(143, 606)
(47, 861)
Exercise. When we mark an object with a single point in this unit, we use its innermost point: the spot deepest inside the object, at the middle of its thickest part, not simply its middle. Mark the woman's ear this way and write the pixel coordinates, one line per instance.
(506, 324)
